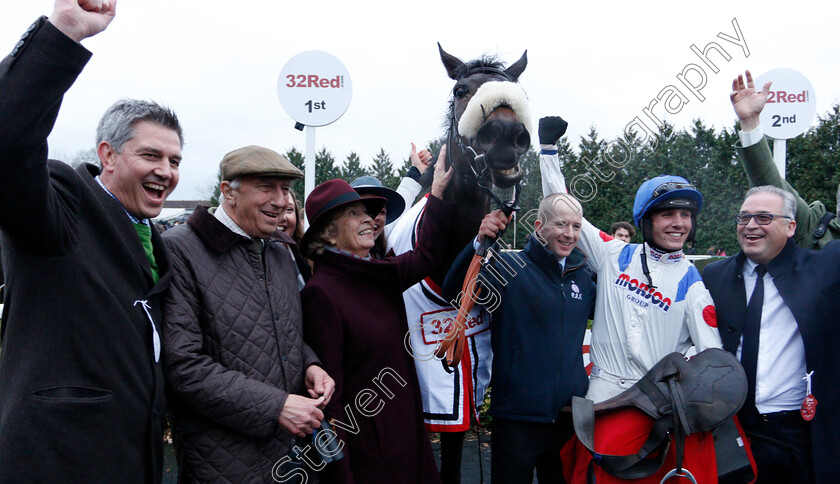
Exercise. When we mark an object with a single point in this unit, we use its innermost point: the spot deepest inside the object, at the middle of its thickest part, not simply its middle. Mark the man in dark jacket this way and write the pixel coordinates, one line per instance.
(81, 388)
(540, 301)
(234, 356)
(777, 307)
(815, 225)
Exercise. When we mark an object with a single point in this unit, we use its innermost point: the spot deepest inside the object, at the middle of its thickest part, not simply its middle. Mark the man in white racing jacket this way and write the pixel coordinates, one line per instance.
(650, 301)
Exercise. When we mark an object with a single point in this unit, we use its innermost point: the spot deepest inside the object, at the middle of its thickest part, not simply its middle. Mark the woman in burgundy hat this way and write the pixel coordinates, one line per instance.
(354, 319)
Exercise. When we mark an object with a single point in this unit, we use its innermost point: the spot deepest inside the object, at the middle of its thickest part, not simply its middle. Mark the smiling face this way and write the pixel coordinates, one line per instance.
(288, 220)
(559, 227)
(258, 204)
(761, 243)
(145, 172)
(354, 230)
(379, 220)
(670, 228)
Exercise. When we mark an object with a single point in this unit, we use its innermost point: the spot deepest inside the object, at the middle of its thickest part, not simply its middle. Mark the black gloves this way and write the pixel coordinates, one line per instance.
(551, 129)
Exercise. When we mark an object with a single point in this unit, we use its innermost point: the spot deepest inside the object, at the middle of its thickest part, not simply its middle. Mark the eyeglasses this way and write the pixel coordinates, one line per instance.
(760, 218)
(671, 186)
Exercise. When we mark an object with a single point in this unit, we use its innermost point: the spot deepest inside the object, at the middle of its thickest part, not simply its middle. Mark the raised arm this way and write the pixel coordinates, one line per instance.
(416, 264)
(35, 210)
(756, 157)
(593, 241)
(410, 186)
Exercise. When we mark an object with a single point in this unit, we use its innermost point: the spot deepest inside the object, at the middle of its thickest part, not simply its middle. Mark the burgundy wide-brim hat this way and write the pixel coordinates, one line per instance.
(325, 199)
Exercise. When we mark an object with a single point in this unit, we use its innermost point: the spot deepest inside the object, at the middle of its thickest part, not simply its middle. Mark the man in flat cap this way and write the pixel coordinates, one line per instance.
(234, 358)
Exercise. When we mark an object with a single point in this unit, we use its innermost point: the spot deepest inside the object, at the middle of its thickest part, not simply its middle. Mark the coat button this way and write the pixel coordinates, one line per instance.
(284, 358)
(730, 329)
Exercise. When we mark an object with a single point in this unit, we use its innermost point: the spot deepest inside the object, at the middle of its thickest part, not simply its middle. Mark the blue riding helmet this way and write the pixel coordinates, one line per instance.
(666, 188)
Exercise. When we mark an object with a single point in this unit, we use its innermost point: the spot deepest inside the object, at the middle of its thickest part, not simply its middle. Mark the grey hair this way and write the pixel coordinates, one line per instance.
(788, 200)
(117, 124)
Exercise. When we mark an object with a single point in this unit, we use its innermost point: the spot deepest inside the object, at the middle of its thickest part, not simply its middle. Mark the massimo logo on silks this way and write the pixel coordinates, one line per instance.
(641, 294)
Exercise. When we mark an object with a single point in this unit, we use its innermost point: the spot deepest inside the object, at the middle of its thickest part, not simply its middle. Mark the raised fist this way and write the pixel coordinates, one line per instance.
(551, 129)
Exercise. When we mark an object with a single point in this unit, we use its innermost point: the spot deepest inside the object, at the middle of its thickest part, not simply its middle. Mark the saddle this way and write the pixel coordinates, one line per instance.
(682, 395)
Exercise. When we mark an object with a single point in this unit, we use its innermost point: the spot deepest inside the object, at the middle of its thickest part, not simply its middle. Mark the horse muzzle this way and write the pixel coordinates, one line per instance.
(503, 143)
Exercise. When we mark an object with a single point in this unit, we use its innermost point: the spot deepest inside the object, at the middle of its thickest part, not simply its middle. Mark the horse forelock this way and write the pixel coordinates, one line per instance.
(486, 61)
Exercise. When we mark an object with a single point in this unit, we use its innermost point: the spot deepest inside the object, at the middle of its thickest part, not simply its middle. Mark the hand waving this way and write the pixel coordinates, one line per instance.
(748, 103)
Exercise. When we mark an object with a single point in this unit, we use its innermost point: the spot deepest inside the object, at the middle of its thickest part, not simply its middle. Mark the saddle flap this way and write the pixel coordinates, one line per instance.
(712, 384)
(704, 392)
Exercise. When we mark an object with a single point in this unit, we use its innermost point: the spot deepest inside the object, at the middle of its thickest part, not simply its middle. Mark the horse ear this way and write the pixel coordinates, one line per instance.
(451, 62)
(518, 67)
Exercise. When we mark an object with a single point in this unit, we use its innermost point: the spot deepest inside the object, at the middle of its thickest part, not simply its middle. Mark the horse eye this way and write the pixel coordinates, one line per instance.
(459, 92)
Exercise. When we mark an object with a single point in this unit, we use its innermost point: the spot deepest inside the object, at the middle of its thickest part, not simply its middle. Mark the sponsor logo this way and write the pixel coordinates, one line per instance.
(576, 292)
(436, 324)
(641, 294)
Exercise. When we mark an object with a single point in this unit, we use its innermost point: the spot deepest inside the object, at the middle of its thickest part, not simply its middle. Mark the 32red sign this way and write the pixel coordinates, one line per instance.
(312, 80)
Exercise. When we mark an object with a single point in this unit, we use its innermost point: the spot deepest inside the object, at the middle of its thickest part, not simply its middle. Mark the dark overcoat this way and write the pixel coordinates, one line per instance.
(809, 283)
(354, 319)
(81, 395)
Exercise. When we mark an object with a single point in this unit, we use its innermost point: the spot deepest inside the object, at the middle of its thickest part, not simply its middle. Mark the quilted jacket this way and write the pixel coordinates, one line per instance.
(232, 351)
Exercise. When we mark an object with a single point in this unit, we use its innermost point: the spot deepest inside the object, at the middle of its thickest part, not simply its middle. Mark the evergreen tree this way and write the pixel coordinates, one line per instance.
(297, 158)
(813, 160)
(383, 170)
(352, 168)
(215, 197)
(325, 168)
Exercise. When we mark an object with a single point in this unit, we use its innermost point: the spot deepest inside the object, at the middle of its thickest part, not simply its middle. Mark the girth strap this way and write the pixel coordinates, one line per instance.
(632, 466)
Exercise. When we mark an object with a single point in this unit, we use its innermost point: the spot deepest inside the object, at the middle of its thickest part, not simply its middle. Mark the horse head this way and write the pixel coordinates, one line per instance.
(489, 125)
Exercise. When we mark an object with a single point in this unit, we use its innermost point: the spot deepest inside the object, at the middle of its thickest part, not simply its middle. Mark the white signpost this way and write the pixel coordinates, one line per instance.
(790, 109)
(315, 90)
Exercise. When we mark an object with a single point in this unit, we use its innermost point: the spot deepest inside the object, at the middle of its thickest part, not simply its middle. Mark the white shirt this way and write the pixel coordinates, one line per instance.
(228, 222)
(749, 138)
(781, 352)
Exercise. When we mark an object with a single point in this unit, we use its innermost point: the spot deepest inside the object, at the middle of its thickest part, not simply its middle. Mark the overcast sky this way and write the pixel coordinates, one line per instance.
(594, 63)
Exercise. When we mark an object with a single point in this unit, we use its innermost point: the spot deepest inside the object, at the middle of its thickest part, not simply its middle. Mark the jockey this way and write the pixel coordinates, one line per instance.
(650, 301)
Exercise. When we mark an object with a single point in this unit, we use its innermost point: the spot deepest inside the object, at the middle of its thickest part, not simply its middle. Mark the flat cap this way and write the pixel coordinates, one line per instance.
(257, 161)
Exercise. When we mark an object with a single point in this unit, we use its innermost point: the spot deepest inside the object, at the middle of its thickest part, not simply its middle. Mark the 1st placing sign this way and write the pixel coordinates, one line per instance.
(314, 88)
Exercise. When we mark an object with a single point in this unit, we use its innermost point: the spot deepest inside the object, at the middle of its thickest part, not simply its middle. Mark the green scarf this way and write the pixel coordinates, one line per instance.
(145, 233)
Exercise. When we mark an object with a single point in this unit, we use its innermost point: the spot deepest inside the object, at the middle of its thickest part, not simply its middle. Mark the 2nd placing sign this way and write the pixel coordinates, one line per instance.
(314, 88)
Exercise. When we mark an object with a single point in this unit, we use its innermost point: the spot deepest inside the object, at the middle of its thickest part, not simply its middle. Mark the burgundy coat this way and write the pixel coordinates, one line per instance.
(354, 319)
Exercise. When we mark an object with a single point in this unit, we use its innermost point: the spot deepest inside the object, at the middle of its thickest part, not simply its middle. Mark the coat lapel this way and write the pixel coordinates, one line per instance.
(735, 314)
(124, 229)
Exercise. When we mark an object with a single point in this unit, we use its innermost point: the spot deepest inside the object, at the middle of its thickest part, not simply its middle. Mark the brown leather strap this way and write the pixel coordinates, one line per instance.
(451, 349)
